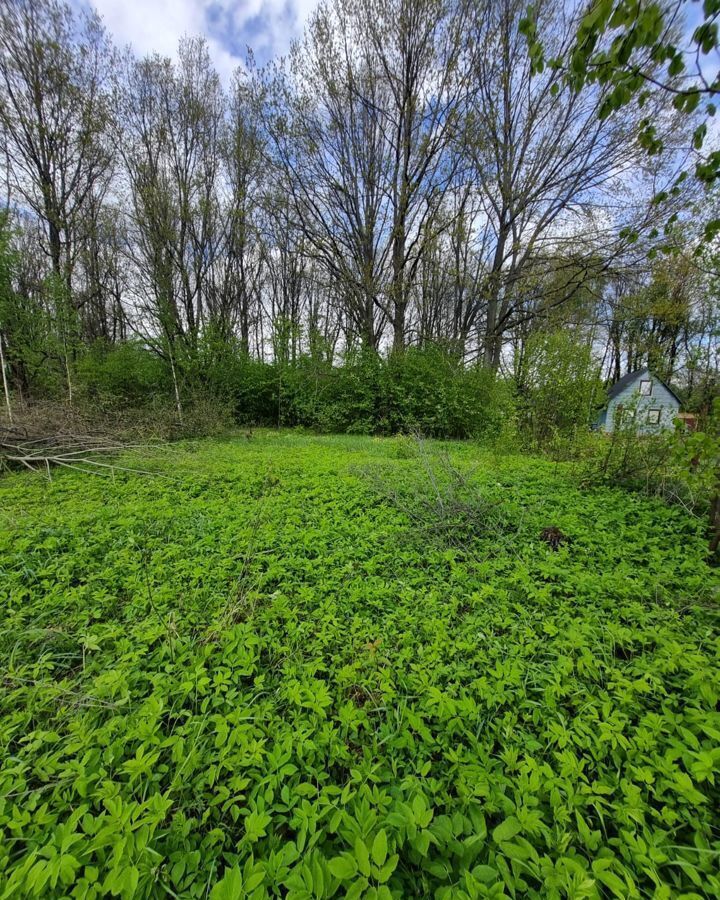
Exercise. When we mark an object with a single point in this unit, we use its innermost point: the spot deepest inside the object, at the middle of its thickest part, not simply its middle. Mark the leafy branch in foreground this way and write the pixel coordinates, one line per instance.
(640, 52)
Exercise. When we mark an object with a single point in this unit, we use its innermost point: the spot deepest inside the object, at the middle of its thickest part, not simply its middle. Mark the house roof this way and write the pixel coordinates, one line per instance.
(628, 379)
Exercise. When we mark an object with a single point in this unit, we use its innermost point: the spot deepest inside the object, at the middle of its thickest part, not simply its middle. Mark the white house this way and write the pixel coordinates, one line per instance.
(642, 398)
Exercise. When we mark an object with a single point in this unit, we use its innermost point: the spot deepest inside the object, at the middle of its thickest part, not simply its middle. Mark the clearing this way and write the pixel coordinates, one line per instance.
(267, 676)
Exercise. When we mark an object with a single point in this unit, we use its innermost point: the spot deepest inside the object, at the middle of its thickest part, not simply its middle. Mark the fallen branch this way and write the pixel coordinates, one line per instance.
(19, 448)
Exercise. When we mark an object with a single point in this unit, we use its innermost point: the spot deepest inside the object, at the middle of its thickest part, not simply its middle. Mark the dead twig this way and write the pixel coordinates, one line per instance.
(19, 447)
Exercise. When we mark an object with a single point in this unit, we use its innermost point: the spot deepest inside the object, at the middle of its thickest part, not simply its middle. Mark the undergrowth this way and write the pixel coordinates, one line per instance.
(263, 676)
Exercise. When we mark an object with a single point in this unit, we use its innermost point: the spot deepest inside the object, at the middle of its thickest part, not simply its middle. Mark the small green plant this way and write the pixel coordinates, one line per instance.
(681, 467)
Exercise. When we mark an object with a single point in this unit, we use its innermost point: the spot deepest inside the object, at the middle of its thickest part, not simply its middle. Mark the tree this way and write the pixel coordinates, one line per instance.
(361, 127)
(172, 118)
(234, 301)
(549, 167)
(7, 301)
(55, 112)
(323, 118)
(559, 385)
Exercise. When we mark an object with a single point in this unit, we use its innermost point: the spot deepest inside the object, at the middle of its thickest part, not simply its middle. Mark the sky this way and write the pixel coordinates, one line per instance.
(230, 26)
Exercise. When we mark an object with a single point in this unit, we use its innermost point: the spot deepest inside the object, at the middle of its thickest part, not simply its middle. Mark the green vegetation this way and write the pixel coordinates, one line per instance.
(425, 389)
(263, 675)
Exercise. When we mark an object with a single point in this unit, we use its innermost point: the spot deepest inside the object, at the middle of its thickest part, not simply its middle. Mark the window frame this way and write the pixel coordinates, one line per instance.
(647, 381)
(655, 411)
(624, 414)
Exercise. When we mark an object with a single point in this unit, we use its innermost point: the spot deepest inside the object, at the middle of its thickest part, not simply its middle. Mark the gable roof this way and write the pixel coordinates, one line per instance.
(628, 379)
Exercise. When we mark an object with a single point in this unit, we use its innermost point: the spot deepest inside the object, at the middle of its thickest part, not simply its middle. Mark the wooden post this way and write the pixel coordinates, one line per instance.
(6, 387)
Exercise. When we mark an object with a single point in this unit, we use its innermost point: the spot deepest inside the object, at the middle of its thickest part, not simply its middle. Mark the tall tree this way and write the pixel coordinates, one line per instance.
(549, 168)
(362, 125)
(172, 120)
(55, 111)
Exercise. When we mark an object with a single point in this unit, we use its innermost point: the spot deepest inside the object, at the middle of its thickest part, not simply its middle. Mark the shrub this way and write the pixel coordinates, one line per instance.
(679, 467)
(421, 390)
(435, 394)
(559, 386)
(330, 398)
(126, 375)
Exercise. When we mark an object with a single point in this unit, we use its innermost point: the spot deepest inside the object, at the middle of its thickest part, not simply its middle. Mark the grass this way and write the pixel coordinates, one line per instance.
(264, 676)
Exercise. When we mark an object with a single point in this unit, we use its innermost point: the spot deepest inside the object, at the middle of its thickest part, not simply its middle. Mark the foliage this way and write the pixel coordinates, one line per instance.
(127, 375)
(442, 504)
(559, 386)
(681, 467)
(634, 52)
(241, 680)
(425, 390)
(27, 337)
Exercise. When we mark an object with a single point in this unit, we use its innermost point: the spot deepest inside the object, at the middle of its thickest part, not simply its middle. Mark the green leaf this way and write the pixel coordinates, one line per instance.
(387, 870)
(379, 847)
(230, 886)
(362, 857)
(486, 874)
(506, 830)
(356, 889)
(343, 867)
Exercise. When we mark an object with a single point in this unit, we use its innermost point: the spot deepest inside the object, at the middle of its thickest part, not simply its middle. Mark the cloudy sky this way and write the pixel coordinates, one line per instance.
(230, 26)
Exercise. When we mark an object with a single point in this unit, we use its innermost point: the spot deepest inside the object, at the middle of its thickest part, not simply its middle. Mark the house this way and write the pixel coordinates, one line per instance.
(642, 398)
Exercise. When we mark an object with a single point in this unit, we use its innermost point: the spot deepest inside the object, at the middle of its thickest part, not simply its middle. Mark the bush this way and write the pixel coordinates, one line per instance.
(422, 390)
(443, 503)
(344, 398)
(679, 467)
(419, 390)
(433, 393)
(559, 386)
(127, 375)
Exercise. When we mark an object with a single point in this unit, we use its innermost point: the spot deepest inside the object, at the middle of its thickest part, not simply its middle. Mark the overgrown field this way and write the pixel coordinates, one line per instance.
(314, 667)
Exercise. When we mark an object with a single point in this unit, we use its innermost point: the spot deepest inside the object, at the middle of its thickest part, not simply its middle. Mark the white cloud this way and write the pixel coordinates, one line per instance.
(230, 26)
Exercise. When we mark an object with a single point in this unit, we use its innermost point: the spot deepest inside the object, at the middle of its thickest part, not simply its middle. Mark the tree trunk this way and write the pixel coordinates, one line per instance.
(399, 327)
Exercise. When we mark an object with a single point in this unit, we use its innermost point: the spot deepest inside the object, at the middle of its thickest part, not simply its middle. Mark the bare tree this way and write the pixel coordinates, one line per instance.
(549, 167)
(233, 302)
(424, 49)
(55, 110)
(172, 121)
(361, 127)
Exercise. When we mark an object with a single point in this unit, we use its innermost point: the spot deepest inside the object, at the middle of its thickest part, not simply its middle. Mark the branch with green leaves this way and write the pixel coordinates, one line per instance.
(638, 51)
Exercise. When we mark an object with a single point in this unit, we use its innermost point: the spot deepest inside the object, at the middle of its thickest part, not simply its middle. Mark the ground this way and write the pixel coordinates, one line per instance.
(259, 673)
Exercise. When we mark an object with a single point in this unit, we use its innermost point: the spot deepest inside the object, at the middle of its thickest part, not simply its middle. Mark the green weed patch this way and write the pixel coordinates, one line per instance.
(252, 679)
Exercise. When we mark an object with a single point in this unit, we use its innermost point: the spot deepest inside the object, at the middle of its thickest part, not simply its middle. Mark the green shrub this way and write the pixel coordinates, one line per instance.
(680, 467)
(127, 375)
(421, 390)
(343, 398)
(559, 387)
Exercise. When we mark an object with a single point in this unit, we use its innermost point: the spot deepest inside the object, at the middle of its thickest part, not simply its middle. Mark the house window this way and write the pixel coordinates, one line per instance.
(624, 415)
(645, 387)
(653, 417)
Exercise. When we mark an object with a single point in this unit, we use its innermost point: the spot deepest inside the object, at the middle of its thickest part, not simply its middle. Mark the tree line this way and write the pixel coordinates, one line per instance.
(408, 179)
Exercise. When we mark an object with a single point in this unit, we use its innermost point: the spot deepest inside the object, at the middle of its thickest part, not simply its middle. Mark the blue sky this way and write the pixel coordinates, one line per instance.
(230, 26)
